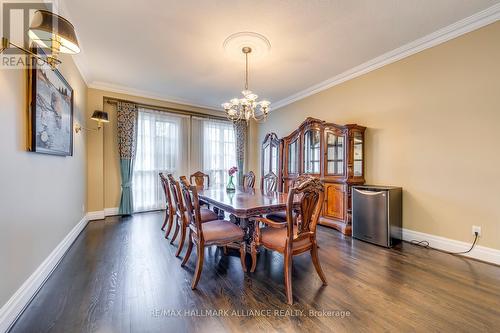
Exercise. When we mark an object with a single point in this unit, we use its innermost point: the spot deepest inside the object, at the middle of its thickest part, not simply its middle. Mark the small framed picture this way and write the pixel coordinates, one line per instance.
(51, 110)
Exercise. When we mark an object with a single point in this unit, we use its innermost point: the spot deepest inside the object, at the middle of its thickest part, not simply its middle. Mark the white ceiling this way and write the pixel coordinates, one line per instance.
(173, 49)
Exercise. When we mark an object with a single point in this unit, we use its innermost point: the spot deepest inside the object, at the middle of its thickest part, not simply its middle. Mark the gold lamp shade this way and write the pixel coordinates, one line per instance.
(54, 32)
(100, 116)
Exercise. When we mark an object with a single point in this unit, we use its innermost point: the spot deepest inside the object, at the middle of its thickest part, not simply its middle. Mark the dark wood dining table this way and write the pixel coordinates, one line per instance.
(243, 204)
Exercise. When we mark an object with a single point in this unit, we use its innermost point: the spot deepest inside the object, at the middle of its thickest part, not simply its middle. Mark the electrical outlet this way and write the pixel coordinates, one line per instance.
(476, 228)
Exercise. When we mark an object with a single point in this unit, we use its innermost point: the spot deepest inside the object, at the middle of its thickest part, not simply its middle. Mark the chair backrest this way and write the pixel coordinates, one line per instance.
(176, 194)
(269, 182)
(310, 192)
(190, 195)
(249, 180)
(166, 190)
(199, 179)
(188, 204)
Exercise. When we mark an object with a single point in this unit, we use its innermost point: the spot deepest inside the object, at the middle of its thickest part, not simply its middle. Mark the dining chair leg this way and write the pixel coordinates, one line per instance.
(288, 277)
(189, 249)
(200, 251)
(243, 255)
(176, 231)
(317, 265)
(253, 254)
(181, 240)
(169, 226)
(165, 220)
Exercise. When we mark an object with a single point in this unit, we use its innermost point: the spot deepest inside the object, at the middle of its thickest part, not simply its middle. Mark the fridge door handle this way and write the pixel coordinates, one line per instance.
(369, 192)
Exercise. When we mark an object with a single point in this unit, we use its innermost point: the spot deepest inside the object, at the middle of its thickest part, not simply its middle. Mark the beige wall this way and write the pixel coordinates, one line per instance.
(42, 197)
(433, 128)
(102, 150)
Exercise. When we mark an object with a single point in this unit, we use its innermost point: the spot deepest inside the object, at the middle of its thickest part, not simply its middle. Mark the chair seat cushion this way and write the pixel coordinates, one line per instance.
(221, 230)
(208, 215)
(277, 216)
(276, 238)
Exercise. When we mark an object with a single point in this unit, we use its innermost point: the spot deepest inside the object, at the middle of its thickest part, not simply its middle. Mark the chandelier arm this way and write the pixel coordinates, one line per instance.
(238, 114)
(259, 118)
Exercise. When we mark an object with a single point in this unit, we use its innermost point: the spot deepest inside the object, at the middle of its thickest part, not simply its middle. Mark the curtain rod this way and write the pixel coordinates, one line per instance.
(112, 100)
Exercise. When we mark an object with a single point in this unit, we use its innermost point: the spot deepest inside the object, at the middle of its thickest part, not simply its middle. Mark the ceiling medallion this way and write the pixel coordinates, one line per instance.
(248, 107)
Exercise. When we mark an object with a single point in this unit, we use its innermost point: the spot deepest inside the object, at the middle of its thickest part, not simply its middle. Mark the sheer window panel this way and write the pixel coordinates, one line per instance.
(162, 141)
(214, 148)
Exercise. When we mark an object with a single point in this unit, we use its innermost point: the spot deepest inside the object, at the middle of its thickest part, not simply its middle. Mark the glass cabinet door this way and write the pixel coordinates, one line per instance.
(293, 157)
(274, 159)
(266, 160)
(312, 149)
(358, 154)
(335, 153)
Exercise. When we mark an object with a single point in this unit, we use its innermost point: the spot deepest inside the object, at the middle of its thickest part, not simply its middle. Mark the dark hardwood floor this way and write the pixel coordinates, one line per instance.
(121, 276)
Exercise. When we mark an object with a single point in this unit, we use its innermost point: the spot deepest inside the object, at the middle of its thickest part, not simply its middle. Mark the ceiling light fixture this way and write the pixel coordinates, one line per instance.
(248, 107)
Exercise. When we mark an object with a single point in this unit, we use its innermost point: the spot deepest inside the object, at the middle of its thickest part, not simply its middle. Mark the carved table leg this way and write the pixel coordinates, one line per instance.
(249, 227)
(253, 253)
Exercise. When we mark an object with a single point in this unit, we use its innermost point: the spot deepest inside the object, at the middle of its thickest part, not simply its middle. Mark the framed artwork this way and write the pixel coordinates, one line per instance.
(51, 110)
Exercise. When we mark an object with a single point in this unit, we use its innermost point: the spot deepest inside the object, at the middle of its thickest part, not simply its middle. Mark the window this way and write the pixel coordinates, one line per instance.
(180, 145)
(219, 150)
(160, 138)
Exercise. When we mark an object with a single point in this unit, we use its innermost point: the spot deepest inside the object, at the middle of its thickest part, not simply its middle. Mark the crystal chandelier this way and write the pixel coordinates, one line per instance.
(248, 106)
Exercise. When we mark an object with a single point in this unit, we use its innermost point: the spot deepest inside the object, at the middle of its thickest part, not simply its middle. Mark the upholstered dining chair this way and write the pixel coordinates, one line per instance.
(294, 237)
(249, 180)
(181, 220)
(203, 234)
(170, 211)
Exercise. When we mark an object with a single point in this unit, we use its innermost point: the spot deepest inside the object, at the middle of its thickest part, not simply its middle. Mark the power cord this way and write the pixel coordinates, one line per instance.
(422, 243)
(473, 244)
(425, 244)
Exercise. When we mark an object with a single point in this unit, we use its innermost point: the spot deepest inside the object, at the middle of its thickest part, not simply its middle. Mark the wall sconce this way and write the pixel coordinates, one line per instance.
(49, 31)
(99, 116)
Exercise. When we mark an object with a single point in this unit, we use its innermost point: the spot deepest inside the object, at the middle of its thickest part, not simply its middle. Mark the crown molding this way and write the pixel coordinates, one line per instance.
(119, 89)
(82, 67)
(459, 28)
(80, 59)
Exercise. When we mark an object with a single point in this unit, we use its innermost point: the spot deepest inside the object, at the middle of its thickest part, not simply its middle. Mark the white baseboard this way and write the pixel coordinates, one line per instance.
(98, 215)
(441, 243)
(101, 214)
(111, 211)
(21, 298)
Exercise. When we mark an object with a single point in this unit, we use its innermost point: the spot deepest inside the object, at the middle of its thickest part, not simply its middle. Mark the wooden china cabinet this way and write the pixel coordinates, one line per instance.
(335, 154)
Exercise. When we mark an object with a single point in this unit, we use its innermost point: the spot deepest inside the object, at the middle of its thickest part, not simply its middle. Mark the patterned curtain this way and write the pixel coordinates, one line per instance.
(240, 131)
(127, 142)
